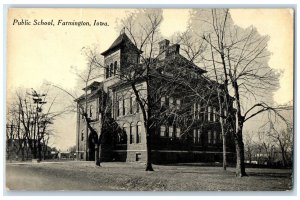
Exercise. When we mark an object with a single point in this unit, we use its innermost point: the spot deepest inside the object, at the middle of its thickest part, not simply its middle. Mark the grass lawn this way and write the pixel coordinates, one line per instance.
(115, 176)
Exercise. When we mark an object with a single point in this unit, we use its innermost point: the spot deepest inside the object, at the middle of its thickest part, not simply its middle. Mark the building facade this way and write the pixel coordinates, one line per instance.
(185, 111)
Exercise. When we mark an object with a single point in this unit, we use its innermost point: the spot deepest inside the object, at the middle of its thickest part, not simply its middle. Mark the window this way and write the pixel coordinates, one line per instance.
(127, 106)
(138, 132)
(162, 101)
(125, 132)
(131, 104)
(115, 68)
(171, 102)
(171, 131)
(204, 114)
(111, 70)
(82, 135)
(123, 107)
(215, 137)
(195, 135)
(138, 157)
(198, 110)
(199, 136)
(178, 102)
(214, 114)
(209, 113)
(131, 133)
(125, 128)
(107, 72)
(162, 131)
(91, 111)
(209, 137)
(178, 132)
(120, 107)
(194, 109)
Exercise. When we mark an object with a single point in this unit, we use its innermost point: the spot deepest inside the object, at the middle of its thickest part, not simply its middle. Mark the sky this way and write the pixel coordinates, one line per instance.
(36, 54)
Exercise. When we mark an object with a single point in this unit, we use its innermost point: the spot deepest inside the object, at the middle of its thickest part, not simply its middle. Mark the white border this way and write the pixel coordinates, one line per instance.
(137, 3)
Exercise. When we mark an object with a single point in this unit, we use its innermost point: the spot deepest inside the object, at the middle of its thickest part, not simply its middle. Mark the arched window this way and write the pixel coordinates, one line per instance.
(138, 132)
(111, 70)
(131, 133)
(125, 128)
(115, 68)
(124, 134)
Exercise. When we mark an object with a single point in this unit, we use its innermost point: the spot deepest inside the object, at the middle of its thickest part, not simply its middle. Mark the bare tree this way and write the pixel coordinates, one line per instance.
(280, 132)
(31, 129)
(241, 60)
(142, 28)
(93, 71)
(249, 146)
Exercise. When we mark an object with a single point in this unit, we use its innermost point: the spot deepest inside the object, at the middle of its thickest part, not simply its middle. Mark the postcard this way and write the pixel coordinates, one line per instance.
(113, 99)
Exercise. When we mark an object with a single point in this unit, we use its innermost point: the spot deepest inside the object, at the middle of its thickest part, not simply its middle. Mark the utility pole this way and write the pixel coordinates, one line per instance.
(39, 101)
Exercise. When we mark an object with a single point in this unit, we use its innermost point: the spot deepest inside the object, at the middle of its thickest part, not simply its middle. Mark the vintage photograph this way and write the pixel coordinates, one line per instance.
(113, 99)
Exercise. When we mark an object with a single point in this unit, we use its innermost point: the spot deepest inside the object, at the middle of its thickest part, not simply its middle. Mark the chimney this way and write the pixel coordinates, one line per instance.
(166, 50)
(174, 49)
(163, 48)
(163, 45)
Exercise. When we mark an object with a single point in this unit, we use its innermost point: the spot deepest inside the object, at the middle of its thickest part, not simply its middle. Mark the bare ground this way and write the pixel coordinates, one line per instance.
(85, 176)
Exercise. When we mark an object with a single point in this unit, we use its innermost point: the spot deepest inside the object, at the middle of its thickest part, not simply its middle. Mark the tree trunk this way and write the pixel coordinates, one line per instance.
(239, 122)
(23, 153)
(284, 162)
(148, 144)
(98, 155)
(39, 150)
(224, 152)
(240, 157)
(147, 116)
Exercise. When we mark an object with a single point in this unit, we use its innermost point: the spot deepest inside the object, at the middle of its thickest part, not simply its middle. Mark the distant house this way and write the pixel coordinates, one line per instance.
(197, 139)
(18, 149)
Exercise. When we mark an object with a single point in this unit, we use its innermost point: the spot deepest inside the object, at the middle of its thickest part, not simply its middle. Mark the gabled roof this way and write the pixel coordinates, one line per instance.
(96, 89)
(181, 61)
(93, 85)
(93, 94)
(122, 39)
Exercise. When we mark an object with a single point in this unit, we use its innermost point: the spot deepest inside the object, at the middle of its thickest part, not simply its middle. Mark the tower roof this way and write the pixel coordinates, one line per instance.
(122, 39)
